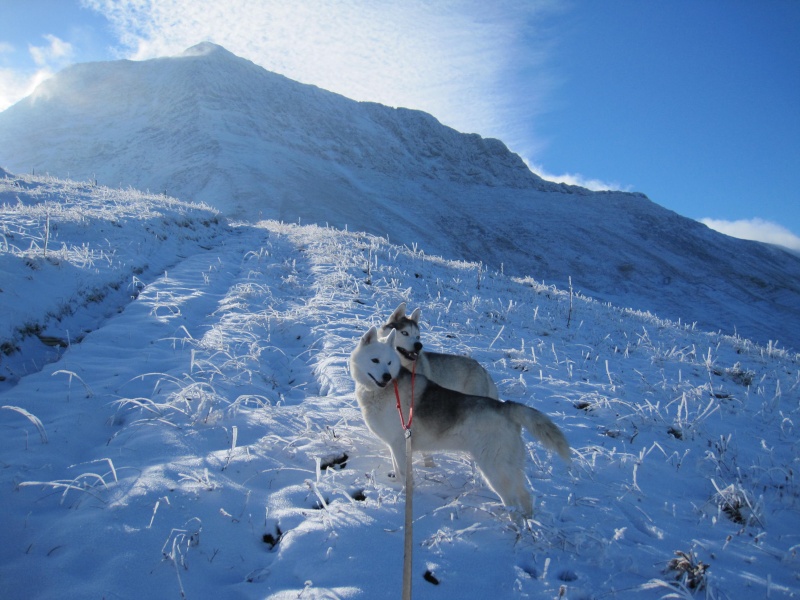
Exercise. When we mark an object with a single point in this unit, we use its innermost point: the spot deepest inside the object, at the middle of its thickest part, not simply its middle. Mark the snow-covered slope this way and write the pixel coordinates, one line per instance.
(72, 254)
(203, 440)
(217, 123)
(209, 126)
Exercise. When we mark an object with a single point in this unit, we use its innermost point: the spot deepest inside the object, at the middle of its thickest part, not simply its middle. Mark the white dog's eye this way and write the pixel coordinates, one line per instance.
(375, 360)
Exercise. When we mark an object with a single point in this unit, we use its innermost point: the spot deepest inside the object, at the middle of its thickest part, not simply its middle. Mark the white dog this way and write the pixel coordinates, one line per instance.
(460, 373)
(446, 420)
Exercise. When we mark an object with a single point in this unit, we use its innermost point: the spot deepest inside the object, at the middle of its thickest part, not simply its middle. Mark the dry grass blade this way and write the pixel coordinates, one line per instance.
(32, 418)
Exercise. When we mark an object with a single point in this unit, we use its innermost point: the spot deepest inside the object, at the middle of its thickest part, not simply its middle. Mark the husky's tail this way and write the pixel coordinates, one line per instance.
(541, 427)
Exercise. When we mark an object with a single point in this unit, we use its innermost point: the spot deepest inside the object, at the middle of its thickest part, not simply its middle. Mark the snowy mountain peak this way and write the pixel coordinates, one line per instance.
(205, 49)
(250, 118)
(210, 126)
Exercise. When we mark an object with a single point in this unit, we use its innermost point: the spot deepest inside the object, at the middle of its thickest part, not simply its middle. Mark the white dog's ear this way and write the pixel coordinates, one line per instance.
(389, 339)
(415, 315)
(398, 313)
(369, 337)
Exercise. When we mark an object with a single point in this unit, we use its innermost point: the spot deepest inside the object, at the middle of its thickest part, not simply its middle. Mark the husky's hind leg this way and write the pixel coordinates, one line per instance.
(502, 468)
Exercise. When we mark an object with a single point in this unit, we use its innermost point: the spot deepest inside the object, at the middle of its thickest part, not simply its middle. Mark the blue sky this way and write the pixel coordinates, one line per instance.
(696, 103)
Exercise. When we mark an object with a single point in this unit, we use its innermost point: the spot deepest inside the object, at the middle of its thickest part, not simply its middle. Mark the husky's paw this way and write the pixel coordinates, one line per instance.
(517, 519)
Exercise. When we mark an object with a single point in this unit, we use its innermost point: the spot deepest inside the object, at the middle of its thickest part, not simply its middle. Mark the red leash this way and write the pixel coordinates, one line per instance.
(405, 425)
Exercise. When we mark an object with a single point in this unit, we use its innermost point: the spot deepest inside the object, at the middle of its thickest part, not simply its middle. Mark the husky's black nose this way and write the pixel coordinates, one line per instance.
(387, 377)
(417, 346)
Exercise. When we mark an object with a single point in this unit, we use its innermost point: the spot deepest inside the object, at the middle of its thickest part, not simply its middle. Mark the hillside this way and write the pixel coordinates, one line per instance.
(212, 127)
(200, 438)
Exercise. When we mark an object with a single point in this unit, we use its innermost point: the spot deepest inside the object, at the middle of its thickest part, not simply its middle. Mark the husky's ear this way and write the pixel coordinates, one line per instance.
(415, 315)
(398, 313)
(370, 337)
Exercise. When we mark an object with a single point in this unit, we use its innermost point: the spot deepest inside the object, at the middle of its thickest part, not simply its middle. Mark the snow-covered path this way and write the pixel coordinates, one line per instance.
(205, 442)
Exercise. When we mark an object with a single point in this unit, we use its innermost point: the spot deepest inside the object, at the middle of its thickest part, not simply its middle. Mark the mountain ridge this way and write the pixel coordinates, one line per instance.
(214, 127)
(342, 130)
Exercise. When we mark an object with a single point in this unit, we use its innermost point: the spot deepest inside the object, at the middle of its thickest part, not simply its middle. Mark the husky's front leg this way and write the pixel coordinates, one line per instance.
(398, 450)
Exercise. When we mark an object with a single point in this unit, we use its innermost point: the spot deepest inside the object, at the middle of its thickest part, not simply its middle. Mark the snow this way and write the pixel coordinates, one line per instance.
(213, 127)
(196, 434)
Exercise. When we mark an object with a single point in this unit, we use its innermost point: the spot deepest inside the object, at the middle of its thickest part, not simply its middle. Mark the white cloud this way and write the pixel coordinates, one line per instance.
(16, 84)
(10, 88)
(447, 57)
(578, 179)
(56, 52)
(756, 229)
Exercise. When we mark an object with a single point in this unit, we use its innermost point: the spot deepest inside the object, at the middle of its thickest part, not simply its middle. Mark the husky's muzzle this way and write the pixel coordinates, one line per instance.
(385, 379)
(411, 355)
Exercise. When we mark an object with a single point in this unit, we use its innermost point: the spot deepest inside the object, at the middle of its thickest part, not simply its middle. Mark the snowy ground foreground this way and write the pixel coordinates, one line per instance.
(203, 439)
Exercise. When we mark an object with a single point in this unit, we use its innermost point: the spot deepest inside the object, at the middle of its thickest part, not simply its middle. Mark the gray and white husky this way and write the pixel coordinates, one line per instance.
(447, 420)
(460, 373)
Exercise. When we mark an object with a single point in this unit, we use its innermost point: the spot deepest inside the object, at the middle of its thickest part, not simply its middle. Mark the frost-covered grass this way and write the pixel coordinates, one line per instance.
(205, 441)
(72, 253)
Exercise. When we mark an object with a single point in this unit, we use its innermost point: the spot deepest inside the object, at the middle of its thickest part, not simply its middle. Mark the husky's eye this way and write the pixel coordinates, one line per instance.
(405, 333)
(375, 360)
